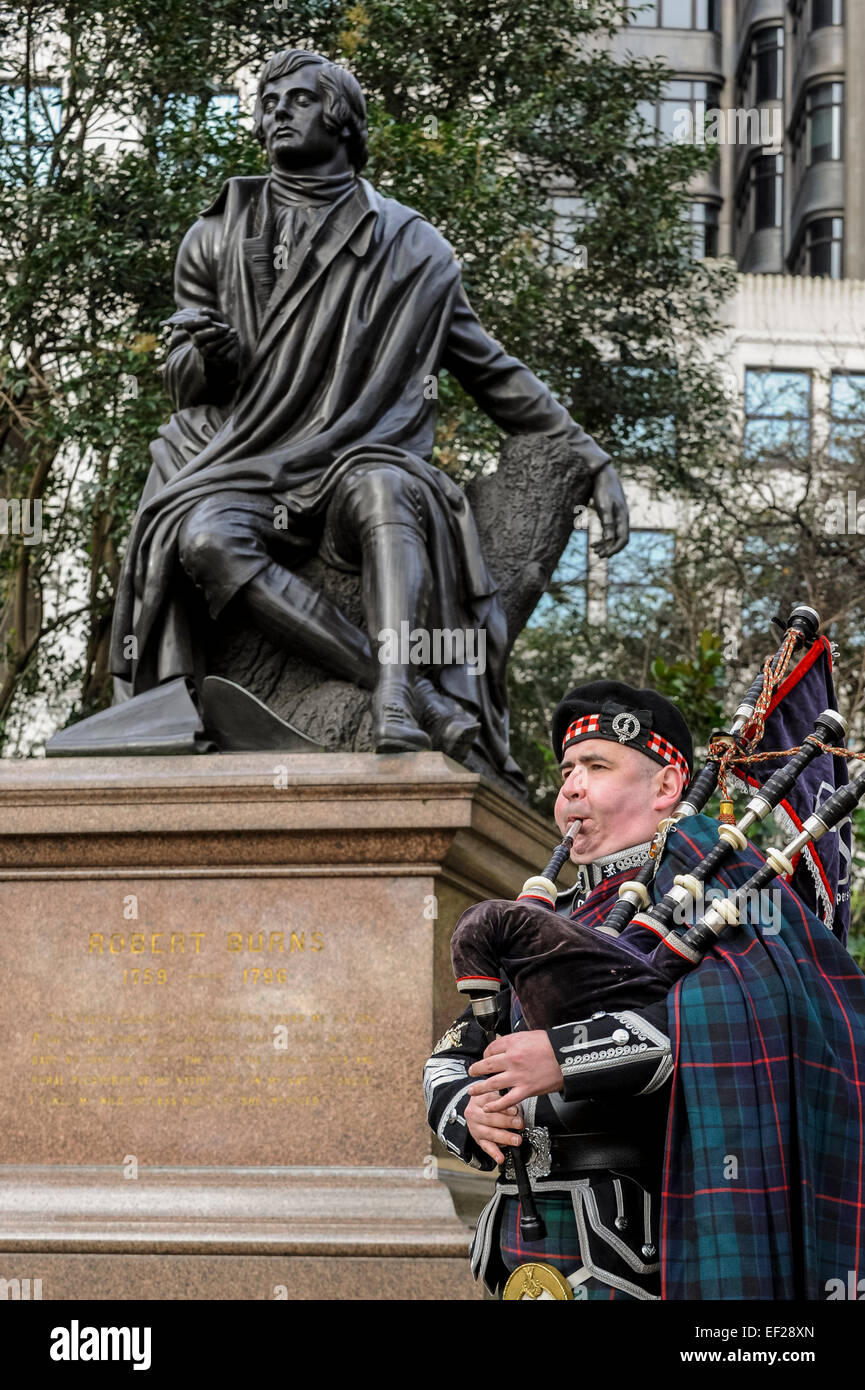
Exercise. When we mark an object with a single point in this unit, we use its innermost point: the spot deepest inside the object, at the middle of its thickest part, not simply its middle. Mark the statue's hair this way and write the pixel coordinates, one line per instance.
(342, 98)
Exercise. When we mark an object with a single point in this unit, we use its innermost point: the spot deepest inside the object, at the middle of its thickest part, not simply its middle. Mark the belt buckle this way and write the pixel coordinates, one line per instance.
(539, 1164)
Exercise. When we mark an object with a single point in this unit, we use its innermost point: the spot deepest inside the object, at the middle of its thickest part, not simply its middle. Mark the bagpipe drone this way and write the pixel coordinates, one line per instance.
(561, 969)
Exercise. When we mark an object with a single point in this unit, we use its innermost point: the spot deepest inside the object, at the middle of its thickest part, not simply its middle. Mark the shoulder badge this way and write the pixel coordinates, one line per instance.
(452, 1037)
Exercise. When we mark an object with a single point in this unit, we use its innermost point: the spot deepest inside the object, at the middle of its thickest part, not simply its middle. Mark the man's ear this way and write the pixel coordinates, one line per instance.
(669, 787)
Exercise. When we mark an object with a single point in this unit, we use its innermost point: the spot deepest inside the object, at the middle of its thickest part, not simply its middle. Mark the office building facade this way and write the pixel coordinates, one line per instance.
(775, 84)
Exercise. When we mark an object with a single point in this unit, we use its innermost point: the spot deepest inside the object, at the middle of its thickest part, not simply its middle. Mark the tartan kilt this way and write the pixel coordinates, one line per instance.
(560, 1247)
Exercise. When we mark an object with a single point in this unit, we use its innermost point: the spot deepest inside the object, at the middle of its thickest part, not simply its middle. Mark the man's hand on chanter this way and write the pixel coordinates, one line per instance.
(521, 1065)
(491, 1129)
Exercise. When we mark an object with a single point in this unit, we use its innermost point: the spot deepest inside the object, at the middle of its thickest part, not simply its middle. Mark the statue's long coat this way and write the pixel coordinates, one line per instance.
(340, 353)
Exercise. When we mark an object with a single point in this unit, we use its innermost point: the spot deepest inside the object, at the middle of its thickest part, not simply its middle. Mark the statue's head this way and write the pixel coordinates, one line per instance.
(343, 109)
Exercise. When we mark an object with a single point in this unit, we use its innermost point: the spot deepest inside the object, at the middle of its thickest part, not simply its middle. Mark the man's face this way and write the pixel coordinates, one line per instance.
(292, 124)
(619, 794)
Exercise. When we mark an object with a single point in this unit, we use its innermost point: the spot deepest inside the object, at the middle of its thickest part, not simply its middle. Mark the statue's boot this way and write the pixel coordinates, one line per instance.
(295, 614)
(395, 718)
(396, 583)
(451, 727)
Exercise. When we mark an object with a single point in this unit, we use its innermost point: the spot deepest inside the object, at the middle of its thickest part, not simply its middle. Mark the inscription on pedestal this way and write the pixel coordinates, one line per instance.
(218, 1021)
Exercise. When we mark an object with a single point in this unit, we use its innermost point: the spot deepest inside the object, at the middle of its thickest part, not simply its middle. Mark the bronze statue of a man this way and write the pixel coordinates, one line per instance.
(313, 316)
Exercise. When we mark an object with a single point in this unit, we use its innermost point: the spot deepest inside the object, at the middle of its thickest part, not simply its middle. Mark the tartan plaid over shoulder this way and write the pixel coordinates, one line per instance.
(764, 1174)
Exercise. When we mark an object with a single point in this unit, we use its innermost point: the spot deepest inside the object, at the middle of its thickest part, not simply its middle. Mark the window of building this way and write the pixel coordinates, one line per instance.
(826, 12)
(797, 148)
(825, 247)
(744, 225)
(825, 112)
(644, 424)
(679, 97)
(767, 48)
(761, 73)
(703, 220)
(767, 181)
(639, 580)
(816, 132)
(822, 249)
(847, 409)
(679, 14)
(28, 129)
(568, 584)
(768, 561)
(760, 197)
(777, 415)
(707, 15)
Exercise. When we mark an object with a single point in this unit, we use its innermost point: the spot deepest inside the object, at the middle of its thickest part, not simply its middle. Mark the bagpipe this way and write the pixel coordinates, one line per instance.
(561, 970)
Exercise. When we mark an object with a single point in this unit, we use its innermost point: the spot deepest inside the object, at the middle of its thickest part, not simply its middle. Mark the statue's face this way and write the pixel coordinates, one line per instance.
(295, 136)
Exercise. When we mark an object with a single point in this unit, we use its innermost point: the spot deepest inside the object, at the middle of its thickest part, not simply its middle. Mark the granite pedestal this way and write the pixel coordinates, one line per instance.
(221, 978)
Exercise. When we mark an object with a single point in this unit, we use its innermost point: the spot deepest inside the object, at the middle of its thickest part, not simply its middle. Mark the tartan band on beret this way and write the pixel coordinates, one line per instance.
(590, 724)
(657, 744)
(611, 710)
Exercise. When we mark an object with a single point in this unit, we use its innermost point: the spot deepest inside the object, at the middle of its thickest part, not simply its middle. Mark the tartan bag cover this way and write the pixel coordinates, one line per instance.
(764, 1172)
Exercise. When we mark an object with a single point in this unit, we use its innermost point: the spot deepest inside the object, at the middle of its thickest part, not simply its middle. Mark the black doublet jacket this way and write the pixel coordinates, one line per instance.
(601, 1139)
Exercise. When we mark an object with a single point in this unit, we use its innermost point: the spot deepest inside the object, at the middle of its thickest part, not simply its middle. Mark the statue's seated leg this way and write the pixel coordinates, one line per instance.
(225, 545)
(377, 521)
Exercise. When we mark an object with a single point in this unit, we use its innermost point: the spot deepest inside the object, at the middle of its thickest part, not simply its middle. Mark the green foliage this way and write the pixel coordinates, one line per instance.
(856, 939)
(693, 683)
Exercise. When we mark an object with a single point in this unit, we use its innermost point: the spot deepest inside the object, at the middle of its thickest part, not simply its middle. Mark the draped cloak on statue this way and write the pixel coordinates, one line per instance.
(339, 350)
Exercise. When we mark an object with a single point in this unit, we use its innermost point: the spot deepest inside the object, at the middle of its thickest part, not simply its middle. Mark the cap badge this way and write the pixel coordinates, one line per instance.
(626, 727)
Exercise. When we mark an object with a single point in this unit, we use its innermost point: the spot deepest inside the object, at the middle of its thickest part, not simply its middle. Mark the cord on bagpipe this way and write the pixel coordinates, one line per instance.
(542, 953)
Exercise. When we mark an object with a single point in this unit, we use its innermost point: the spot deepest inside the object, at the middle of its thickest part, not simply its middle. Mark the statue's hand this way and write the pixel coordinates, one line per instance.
(608, 500)
(216, 340)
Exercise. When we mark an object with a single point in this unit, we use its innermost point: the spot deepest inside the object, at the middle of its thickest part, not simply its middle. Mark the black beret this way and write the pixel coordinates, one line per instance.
(643, 719)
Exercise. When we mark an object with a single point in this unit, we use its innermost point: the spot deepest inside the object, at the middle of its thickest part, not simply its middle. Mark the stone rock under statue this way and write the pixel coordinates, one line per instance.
(293, 533)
